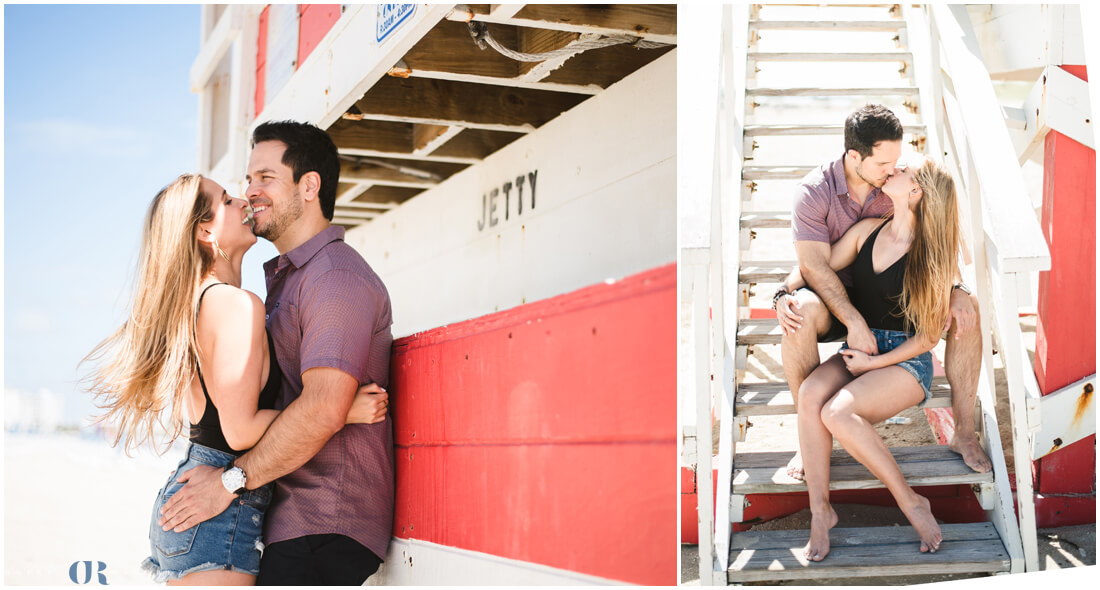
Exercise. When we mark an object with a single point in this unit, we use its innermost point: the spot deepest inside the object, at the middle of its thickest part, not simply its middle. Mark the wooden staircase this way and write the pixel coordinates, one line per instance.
(767, 179)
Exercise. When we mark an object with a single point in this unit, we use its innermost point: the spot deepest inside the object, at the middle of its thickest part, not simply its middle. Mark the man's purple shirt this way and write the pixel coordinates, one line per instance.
(327, 308)
(823, 210)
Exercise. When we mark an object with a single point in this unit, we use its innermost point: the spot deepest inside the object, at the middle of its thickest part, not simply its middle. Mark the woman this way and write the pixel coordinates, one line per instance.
(903, 269)
(196, 341)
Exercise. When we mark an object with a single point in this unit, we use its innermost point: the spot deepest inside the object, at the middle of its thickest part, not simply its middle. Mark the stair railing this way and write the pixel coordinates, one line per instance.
(708, 293)
(971, 137)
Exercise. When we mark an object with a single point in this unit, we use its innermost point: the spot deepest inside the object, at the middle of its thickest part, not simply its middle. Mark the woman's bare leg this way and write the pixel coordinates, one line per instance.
(215, 578)
(850, 416)
(816, 444)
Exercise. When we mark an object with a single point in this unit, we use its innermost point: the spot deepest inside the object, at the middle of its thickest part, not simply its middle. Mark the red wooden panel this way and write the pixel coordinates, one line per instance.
(314, 22)
(546, 433)
(1065, 339)
(261, 61)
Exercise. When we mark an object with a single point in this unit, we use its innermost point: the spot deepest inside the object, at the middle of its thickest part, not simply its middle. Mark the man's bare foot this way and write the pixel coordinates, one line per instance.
(820, 523)
(971, 452)
(794, 467)
(920, 516)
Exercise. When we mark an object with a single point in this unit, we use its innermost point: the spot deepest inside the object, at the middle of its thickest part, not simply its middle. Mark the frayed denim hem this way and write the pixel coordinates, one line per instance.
(161, 576)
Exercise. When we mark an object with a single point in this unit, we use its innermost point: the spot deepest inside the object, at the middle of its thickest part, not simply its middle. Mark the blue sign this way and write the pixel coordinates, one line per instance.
(390, 17)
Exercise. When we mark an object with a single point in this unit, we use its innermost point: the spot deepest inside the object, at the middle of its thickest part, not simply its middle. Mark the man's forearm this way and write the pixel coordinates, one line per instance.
(831, 291)
(290, 442)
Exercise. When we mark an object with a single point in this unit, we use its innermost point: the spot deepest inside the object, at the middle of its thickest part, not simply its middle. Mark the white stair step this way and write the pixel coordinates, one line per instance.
(894, 91)
(815, 56)
(765, 271)
(765, 219)
(759, 130)
(775, 172)
(864, 552)
(774, 399)
(828, 25)
(766, 472)
(759, 331)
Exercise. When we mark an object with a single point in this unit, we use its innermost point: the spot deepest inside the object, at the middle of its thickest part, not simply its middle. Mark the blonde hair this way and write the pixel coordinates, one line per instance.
(149, 362)
(933, 263)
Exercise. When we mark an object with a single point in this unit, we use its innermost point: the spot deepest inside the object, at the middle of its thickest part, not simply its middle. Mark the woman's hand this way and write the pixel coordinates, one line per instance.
(369, 406)
(857, 361)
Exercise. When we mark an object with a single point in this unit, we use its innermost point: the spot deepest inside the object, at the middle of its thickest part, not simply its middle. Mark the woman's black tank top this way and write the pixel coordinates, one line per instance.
(208, 431)
(877, 297)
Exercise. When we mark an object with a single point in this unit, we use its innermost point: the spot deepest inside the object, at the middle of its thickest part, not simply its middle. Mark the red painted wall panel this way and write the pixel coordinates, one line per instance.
(546, 433)
(314, 22)
(261, 61)
(1065, 343)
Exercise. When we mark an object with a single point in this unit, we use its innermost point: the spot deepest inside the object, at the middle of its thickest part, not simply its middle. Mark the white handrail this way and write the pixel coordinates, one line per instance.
(1008, 240)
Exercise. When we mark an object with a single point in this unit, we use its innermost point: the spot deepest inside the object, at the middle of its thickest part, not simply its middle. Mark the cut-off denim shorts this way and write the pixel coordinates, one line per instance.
(920, 366)
(231, 540)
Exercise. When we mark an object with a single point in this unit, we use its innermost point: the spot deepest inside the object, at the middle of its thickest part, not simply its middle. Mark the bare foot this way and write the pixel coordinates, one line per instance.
(971, 452)
(794, 467)
(820, 523)
(920, 516)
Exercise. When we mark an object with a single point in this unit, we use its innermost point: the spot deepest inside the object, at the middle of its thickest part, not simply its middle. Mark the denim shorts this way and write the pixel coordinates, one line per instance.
(231, 540)
(920, 366)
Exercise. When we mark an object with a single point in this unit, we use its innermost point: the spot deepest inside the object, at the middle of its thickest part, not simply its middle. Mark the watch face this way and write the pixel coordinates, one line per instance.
(233, 479)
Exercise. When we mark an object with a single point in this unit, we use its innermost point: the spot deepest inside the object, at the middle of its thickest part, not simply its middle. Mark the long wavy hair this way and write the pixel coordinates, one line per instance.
(933, 257)
(145, 367)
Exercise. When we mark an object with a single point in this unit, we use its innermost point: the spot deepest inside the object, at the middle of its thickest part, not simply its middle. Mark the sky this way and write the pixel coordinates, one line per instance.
(98, 117)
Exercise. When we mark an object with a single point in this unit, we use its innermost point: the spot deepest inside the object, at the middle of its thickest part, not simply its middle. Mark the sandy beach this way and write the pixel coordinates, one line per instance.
(70, 499)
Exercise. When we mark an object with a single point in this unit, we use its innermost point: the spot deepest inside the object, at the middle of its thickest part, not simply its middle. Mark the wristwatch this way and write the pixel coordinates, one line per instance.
(234, 479)
(962, 288)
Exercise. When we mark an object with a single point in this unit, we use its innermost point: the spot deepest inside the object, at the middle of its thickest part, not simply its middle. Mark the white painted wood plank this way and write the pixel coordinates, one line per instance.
(1018, 243)
(828, 25)
(763, 130)
(406, 156)
(412, 562)
(891, 91)
(214, 47)
(818, 56)
(346, 63)
(1069, 415)
(589, 89)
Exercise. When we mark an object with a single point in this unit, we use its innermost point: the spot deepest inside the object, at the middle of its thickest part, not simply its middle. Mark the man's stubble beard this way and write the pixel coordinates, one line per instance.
(859, 173)
(281, 219)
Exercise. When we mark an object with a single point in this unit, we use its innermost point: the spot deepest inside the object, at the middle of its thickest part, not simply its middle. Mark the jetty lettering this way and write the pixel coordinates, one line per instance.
(498, 202)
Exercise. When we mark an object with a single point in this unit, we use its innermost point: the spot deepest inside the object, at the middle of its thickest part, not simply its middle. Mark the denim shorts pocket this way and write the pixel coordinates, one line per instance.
(171, 543)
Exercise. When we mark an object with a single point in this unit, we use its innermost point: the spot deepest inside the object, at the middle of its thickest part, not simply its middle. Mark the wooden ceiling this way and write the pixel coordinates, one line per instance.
(447, 104)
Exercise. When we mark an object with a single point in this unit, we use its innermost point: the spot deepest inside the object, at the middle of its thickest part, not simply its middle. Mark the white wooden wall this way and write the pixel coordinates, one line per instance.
(605, 208)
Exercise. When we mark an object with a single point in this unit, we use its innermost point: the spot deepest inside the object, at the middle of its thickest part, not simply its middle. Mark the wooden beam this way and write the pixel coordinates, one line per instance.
(650, 21)
(449, 48)
(382, 171)
(541, 41)
(605, 66)
(387, 194)
(426, 134)
(382, 136)
(463, 104)
(476, 143)
(408, 156)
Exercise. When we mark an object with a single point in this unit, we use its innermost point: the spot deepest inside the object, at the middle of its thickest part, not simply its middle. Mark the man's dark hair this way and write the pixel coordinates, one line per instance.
(869, 125)
(308, 149)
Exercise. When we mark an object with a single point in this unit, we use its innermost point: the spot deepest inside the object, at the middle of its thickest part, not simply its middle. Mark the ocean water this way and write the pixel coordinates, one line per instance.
(71, 498)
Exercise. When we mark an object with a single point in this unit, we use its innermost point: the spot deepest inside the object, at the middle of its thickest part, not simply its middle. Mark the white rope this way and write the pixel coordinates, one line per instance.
(587, 41)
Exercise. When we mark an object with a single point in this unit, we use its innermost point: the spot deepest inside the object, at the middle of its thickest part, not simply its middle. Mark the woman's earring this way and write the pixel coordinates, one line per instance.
(217, 248)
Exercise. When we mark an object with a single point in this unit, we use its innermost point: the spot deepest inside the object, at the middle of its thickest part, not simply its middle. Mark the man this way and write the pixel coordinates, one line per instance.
(331, 517)
(830, 200)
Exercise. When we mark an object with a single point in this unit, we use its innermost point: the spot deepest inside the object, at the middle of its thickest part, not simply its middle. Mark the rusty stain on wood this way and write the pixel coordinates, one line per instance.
(1083, 403)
